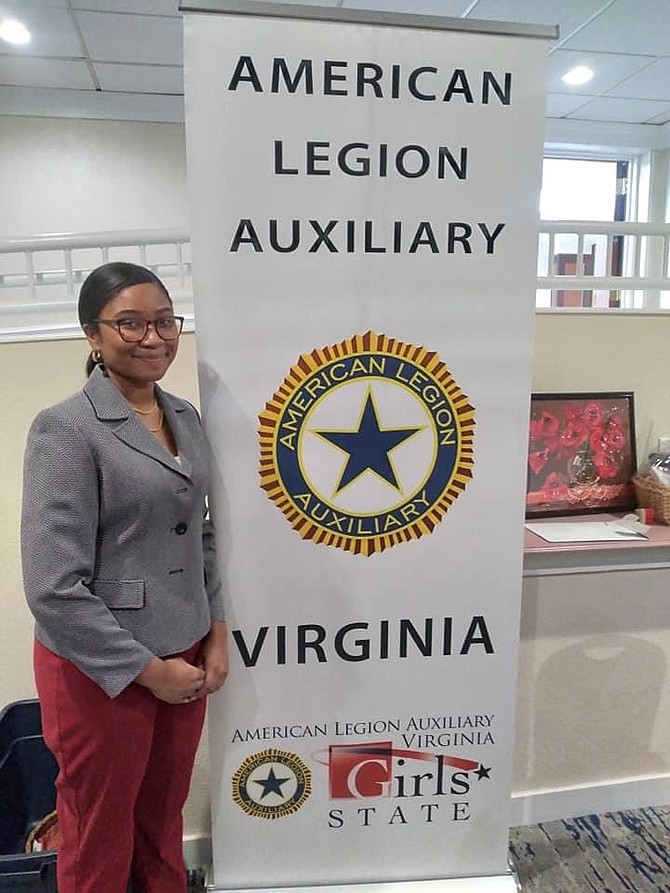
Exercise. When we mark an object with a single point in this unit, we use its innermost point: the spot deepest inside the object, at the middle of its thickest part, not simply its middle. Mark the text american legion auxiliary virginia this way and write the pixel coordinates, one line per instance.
(362, 158)
(419, 731)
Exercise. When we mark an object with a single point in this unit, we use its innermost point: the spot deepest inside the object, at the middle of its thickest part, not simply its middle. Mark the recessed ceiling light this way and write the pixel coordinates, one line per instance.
(14, 31)
(580, 74)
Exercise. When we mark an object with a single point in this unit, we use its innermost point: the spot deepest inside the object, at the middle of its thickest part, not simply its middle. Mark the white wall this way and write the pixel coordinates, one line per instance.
(68, 176)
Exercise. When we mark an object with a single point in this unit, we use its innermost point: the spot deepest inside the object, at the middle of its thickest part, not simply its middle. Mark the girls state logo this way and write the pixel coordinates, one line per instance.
(366, 444)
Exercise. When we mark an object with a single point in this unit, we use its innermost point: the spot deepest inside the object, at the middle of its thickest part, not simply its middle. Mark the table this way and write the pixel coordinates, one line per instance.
(550, 559)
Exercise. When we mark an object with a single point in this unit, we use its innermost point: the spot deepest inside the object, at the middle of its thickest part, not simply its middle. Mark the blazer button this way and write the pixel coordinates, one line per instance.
(181, 528)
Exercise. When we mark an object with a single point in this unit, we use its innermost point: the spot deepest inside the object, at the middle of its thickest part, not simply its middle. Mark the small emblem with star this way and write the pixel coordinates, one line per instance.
(271, 784)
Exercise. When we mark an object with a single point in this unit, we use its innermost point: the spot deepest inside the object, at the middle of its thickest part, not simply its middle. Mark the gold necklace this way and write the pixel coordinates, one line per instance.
(145, 411)
(161, 419)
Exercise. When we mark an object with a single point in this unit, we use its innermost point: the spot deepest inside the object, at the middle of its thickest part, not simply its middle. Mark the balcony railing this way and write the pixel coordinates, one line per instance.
(40, 276)
(582, 267)
(596, 266)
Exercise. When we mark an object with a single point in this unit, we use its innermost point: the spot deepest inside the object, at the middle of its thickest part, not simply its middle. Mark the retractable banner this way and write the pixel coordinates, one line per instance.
(364, 209)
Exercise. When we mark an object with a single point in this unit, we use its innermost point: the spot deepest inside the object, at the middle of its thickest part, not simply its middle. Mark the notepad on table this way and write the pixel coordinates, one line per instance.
(583, 531)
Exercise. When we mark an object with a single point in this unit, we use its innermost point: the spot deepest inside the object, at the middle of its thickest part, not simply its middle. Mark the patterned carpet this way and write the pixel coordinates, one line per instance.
(618, 852)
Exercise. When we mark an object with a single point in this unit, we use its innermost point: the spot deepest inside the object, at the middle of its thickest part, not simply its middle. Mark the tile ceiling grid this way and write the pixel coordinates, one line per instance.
(87, 57)
(115, 57)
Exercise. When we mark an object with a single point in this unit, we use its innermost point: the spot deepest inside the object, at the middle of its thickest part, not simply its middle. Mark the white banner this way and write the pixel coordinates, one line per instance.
(364, 208)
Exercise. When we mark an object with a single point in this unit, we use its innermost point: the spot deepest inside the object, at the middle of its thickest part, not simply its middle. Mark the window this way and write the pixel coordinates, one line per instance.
(579, 190)
(587, 190)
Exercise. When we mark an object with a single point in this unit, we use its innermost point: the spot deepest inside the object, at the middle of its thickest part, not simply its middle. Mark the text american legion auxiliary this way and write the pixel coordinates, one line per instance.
(360, 158)
(420, 731)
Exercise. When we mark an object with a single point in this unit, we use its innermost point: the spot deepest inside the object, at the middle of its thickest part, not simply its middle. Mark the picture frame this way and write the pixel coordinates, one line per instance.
(581, 453)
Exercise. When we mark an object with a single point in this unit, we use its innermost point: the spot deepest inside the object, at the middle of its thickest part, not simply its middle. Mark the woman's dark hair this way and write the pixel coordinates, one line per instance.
(105, 283)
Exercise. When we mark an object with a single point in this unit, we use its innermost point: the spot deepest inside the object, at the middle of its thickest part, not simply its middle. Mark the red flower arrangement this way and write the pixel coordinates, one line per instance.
(581, 455)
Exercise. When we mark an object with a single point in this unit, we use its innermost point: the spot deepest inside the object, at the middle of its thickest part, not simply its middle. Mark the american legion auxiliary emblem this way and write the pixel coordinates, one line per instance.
(271, 784)
(366, 443)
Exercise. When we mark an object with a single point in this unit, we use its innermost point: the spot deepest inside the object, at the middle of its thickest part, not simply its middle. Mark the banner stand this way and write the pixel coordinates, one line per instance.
(364, 214)
(503, 883)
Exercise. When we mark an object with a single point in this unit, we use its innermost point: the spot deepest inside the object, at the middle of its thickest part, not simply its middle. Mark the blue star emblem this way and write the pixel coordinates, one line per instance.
(368, 447)
(271, 784)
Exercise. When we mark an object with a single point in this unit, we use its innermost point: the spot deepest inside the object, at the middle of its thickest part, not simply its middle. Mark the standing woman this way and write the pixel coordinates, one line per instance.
(120, 572)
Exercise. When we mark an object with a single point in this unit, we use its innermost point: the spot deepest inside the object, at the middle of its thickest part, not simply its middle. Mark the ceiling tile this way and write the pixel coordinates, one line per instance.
(27, 4)
(631, 111)
(140, 78)
(651, 83)
(90, 104)
(567, 14)
(609, 69)
(663, 118)
(147, 7)
(561, 104)
(448, 8)
(29, 72)
(306, 2)
(136, 49)
(52, 31)
(118, 37)
(627, 26)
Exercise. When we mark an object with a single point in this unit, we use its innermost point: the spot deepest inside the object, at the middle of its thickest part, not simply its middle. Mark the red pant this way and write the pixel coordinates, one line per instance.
(125, 769)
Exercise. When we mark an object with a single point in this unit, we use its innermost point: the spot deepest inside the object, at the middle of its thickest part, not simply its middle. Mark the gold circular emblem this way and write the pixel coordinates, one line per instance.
(271, 784)
(366, 444)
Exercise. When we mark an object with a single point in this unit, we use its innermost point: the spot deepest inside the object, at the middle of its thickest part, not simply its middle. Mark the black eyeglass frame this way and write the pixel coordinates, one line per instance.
(116, 324)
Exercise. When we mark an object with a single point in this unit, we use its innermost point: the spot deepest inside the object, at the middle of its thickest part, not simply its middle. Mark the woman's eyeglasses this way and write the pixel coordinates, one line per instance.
(134, 329)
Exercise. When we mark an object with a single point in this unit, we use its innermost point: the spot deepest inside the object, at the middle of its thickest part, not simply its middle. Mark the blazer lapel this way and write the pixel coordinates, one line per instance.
(172, 412)
(111, 406)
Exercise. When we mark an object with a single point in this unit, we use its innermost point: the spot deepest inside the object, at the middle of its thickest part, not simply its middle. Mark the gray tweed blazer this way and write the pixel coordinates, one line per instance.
(118, 553)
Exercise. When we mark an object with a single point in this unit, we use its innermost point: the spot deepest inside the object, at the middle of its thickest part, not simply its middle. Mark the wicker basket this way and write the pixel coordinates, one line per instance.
(654, 496)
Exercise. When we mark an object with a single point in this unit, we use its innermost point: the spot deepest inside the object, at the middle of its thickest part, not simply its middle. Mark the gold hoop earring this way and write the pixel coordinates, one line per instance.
(96, 356)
